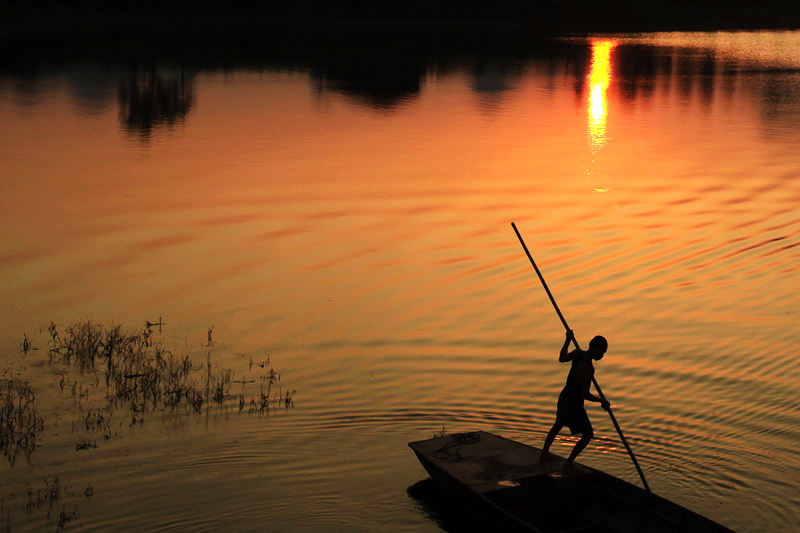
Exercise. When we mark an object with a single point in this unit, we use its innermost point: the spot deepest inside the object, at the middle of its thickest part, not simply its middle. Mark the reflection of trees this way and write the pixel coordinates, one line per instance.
(379, 71)
(780, 101)
(382, 81)
(702, 75)
(642, 70)
(25, 89)
(638, 73)
(93, 89)
(148, 100)
(491, 78)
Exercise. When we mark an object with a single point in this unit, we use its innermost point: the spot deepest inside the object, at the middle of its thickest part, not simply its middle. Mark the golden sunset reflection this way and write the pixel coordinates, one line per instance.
(599, 79)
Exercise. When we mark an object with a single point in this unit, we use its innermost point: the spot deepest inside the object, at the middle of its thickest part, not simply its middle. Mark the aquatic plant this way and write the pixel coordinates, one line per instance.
(141, 375)
(27, 345)
(137, 370)
(64, 518)
(112, 378)
(49, 495)
(54, 491)
(108, 371)
(268, 397)
(19, 420)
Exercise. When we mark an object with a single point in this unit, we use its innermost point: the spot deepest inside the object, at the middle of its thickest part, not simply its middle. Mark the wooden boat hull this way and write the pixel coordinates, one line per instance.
(502, 482)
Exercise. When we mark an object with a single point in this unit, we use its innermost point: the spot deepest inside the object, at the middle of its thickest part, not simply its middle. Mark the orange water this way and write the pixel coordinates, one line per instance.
(363, 242)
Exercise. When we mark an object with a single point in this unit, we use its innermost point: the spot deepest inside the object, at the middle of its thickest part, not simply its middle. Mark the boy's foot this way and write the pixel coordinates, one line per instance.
(546, 456)
(569, 467)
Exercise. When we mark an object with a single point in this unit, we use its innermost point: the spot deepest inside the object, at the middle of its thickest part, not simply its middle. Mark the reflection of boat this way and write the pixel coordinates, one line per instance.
(502, 482)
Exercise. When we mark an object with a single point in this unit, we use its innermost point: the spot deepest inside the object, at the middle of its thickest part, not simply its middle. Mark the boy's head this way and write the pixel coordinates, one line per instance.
(598, 347)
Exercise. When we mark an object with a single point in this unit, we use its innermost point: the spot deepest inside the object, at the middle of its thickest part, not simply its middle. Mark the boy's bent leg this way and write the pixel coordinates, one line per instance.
(586, 436)
(548, 440)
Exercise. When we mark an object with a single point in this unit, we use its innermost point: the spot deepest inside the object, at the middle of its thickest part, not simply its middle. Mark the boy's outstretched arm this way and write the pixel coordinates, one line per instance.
(566, 355)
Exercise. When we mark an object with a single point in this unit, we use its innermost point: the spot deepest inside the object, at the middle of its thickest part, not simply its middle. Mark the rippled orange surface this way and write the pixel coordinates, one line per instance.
(365, 245)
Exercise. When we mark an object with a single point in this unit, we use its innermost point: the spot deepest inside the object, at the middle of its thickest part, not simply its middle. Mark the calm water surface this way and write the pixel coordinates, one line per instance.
(348, 216)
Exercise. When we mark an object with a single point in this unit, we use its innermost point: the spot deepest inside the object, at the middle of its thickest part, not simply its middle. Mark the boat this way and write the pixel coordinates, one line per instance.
(504, 484)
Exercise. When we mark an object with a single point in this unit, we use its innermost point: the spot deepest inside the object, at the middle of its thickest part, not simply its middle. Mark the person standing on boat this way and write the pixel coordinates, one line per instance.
(570, 411)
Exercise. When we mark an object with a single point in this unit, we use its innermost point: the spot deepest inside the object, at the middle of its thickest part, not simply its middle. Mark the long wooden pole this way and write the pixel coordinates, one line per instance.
(594, 381)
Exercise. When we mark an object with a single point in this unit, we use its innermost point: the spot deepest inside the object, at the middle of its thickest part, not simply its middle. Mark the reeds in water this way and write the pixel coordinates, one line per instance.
(19, 420)
(132, 373)
(139, 372)
(108, 373)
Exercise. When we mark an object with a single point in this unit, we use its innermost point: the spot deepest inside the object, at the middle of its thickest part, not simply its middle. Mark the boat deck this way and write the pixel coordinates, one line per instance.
(487, 462)
(503, 481)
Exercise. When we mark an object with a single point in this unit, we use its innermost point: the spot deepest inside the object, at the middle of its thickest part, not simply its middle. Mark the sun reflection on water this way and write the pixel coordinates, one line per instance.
(599, 79)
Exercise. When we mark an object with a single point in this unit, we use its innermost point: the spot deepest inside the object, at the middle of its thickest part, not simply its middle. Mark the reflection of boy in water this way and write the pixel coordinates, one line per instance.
(571, 412)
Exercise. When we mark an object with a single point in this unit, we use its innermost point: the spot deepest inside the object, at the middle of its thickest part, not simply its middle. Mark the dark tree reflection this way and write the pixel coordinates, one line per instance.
(492, 78)
(378, 80)
(149, 100)
(780, 101)
(377, 70)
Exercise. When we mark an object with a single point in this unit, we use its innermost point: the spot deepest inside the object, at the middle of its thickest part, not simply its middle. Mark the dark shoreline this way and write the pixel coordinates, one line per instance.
(386, 18)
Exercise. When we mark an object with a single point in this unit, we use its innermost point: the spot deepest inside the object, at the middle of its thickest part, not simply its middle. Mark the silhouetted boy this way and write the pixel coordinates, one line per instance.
(571, 412)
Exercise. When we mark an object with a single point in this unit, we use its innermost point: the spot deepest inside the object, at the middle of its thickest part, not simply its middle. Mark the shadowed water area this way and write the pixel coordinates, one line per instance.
(340, 212)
